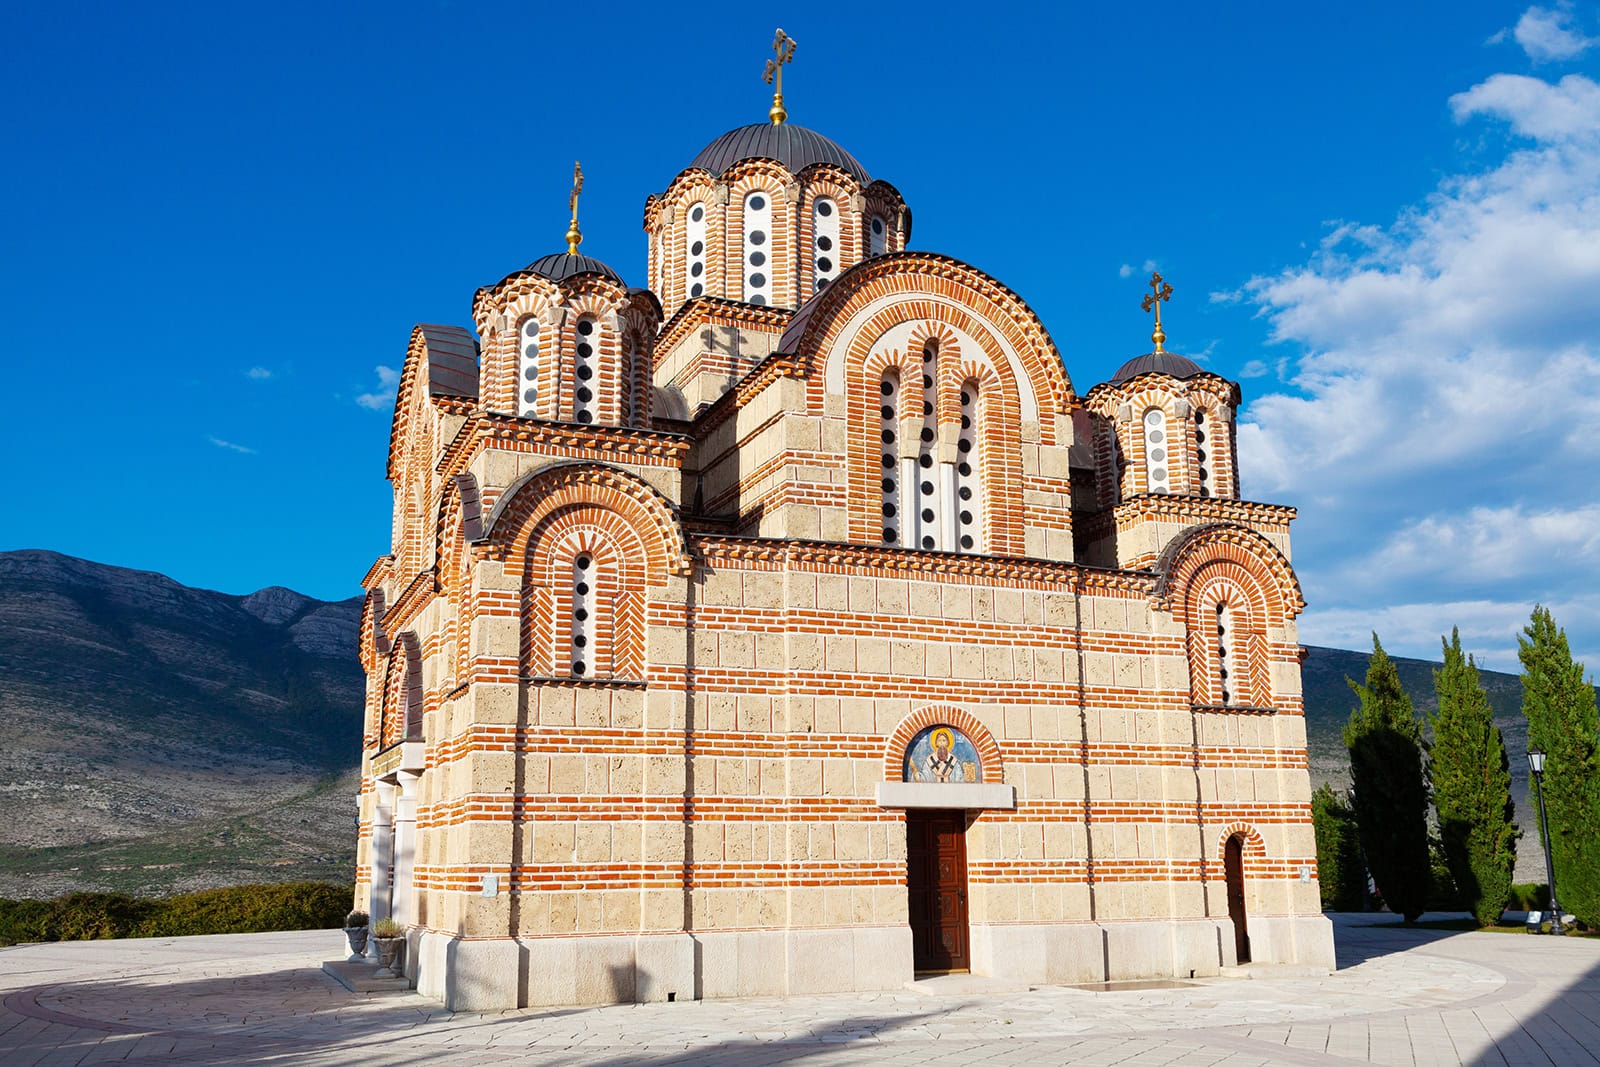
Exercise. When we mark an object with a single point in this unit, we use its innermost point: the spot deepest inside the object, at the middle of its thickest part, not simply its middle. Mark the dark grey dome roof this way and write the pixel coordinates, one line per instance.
(563, 265)
(794, 146)
(1168, 363)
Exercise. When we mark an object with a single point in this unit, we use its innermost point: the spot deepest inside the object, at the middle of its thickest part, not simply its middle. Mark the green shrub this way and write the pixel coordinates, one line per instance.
(237, 910)
(1529, 896)
(1340, 873)
(1443, 892)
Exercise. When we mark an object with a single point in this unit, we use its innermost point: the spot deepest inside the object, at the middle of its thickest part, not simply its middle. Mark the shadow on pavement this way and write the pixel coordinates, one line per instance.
(246, 1019)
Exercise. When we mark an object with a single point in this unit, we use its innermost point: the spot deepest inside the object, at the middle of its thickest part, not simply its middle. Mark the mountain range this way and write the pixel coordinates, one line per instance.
(163, 738)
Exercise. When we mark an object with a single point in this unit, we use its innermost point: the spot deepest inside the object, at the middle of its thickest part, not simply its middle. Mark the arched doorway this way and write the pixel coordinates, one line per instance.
(1233, 864)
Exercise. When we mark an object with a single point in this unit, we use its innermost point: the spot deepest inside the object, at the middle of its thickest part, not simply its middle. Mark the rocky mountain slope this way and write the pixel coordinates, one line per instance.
(166, 738)
(162, 738)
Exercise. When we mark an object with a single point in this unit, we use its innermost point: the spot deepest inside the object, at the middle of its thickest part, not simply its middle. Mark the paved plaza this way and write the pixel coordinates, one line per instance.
(1400, 997)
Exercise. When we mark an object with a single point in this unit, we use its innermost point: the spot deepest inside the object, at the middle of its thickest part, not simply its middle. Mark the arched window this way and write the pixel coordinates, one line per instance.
(1226, 661)
(1157, 451)
(584, 576)
(585, 370)
(694, 261)
(968, 504)
(825, 241)
(757, 231)
(926, 496)
(528, 368)
(877, 236)
(1205, 452)
(889, 390)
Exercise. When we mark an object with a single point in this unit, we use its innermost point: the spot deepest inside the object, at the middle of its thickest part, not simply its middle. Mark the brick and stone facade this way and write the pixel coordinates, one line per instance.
(677, 581)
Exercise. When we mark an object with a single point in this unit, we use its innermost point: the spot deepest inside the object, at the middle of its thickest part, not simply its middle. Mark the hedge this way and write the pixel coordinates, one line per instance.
(244, 909)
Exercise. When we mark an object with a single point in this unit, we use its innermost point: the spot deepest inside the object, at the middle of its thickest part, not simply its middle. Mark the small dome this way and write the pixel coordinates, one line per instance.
(794, 146)
(1169, 363)
(563, 265)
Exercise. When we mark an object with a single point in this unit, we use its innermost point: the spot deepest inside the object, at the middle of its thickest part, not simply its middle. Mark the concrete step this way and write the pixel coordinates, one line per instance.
(1274, 970)
(958, 985)
(362, 977)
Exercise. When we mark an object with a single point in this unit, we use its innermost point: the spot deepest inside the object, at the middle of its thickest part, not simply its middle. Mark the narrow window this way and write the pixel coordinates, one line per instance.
(927, 497)
(528, 368)
(889, 394)
(757, 230)
(969, 486)
(694, 262)
(825, 241)
(877, 236)
(585, 371)
(1156, 450)
(1205, 454)
(583, 580)
(1224, 659)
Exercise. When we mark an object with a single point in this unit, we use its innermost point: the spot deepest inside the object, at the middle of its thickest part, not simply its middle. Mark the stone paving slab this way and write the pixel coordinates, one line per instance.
(1404, 997)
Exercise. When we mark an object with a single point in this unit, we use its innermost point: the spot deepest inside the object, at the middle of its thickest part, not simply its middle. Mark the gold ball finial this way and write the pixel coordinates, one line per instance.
(1160, 292)
(783, 50)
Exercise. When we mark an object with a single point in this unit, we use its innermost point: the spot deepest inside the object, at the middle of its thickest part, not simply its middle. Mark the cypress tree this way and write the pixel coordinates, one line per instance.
(1471, 787)
(1562, 720)
(1341, 876)
(1391, 792)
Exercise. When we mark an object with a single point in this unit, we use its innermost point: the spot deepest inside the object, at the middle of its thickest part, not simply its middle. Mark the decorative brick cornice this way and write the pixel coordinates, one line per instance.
(613, 444)
(1189, 510)
(913, 563)
(487, 300)
(411, 600)
(717, 311)
(1106, 398)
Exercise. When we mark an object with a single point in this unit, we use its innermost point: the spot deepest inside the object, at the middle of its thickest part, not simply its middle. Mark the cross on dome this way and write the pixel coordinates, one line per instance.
(574, 235)
(783, 48)
(1159, 292)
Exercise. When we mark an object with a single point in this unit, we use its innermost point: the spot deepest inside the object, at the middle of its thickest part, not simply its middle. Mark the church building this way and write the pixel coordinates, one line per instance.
(788, 622)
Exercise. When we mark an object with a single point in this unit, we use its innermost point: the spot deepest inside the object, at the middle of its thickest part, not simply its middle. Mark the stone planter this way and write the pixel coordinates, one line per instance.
(356, 937)
(391, 956)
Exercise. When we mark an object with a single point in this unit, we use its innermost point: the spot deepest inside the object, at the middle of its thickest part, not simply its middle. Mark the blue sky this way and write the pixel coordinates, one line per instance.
(1384, 220)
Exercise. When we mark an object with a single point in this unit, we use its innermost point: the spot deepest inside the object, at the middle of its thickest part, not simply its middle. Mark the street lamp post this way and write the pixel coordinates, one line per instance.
(1536, 764)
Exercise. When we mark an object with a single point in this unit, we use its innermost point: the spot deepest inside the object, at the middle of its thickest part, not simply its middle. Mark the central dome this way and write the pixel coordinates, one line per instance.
(794, 146)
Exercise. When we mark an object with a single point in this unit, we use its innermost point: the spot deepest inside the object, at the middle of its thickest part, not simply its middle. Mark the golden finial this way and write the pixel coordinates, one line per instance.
(783, 46)
(1159, 291)
(574, 236)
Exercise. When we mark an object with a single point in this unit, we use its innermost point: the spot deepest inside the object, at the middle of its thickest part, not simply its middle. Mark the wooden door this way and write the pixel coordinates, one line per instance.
(936, 879)
(1233, 864)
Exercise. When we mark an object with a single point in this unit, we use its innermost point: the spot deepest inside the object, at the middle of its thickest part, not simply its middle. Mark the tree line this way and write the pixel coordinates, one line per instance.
(1463, 773)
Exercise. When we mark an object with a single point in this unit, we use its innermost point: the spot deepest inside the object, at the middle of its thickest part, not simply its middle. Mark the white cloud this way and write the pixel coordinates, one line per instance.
(383, 396)
(1127, 269)
(258, 374)
(230, 446)
(1566, 110)
(1438, 434)
(1545, 33)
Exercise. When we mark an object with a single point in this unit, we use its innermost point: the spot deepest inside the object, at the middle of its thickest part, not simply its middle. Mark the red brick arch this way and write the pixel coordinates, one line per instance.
(1199, 546)
(540, 494)
(937, 321)
(894, 754)
(1254, 852)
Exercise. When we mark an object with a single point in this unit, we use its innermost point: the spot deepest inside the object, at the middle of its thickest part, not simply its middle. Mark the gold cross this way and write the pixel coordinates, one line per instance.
(574, 236)
(1159, 291)
(783, 47)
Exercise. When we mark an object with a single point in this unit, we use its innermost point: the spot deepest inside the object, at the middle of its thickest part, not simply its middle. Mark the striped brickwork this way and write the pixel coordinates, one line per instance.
(633, 690)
